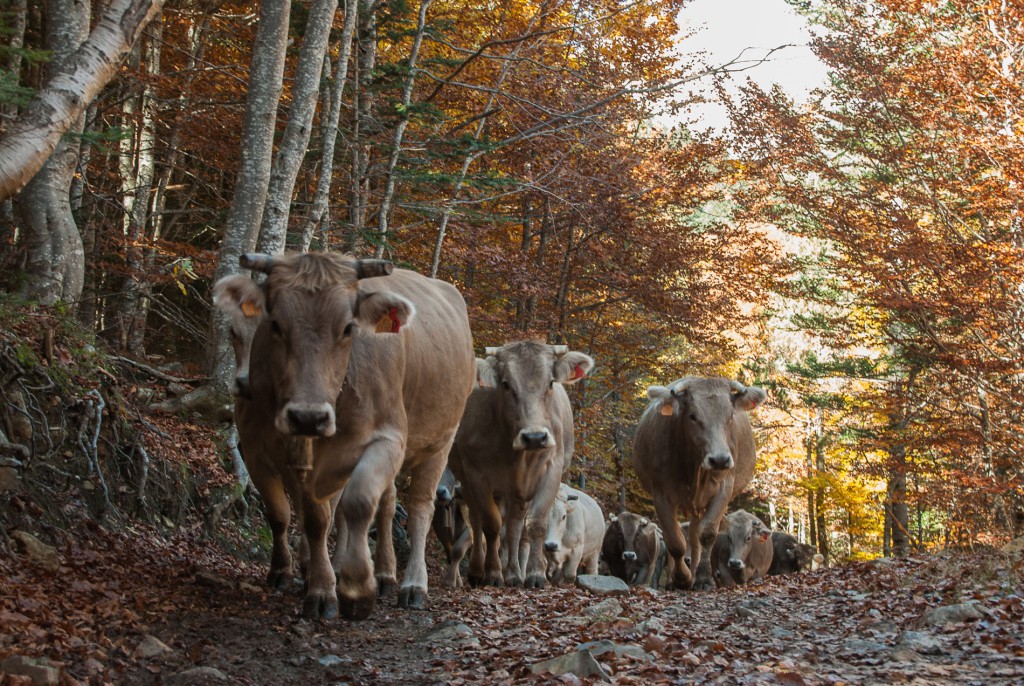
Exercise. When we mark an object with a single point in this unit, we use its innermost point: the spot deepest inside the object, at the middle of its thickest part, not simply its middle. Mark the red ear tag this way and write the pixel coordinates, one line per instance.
(578, 372)
(389, 323)
(395, 324)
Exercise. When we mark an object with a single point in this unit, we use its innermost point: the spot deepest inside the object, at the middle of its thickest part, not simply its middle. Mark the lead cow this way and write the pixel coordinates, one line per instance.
(363, 376)
(694, 451)
(514, 443)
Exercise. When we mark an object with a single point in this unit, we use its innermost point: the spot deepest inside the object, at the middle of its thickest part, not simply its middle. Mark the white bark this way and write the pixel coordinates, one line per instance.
(31, 140)
(300, 122)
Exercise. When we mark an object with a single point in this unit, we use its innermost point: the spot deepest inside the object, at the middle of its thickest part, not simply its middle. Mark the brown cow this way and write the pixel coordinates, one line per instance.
(512, 448)
(743, 550)
(631, 547)
(343, 371)
(694, 450)
(791, 556)
(451, 525)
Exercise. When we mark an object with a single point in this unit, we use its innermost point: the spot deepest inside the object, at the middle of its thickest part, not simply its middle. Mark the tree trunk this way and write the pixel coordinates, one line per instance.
(318, 215)
(256, 155)
(295, 141)
(362, 106)
(898, 512)
(16, 20)
(56, 256)
(399, 135)
(75, 79)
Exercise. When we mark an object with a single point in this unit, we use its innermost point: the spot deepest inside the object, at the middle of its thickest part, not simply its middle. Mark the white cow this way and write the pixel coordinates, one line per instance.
(575, 534)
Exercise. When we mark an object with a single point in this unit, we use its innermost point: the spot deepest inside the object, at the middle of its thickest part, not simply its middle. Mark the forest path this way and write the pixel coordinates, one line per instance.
(864, 623)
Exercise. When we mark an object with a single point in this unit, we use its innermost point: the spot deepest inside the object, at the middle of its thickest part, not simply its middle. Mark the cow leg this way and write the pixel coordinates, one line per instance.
(512, 541)
(420, 502)
(279, 515)
(704, 580)
(572, 565)
(453, 577)
(321, 600)
(537, 527)
(666, 511)
(370, 480)
(384, 564)
(590, 563)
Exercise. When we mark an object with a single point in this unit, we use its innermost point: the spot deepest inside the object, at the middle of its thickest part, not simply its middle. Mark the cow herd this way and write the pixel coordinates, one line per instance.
(350, 371)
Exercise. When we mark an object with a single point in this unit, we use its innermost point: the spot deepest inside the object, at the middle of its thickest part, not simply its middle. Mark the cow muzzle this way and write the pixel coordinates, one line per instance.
(629, 556)
(307, 420)
(736, 564)
(718, 462)
(242, 386)
(551, 546)
(532, 440)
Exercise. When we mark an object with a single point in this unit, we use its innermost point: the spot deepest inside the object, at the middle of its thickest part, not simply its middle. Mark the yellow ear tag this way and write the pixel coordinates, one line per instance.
(666, 409)
(251, 309)
(389, 323)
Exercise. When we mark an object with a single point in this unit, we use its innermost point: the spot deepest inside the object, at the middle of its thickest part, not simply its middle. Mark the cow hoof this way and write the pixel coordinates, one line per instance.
(513, 582)
(413, 598)
(704, 585)
(319, 607)
(386, 586)
(357, 609)
(280, 580)
(535, 581)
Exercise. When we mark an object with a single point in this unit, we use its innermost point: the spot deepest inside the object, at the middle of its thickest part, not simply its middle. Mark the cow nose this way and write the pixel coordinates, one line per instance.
(629, 556)
(719, 461)
(735, 564)
(533, 440)
(551, 546)
(309, 421)
(443, 495)
(242, 386)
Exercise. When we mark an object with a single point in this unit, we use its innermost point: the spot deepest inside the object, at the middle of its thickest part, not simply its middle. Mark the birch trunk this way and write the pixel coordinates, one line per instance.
(362, 106)
(318, 215)
(292, 150)
(74, 82)
(56, 256)
(16, 13)
(256, 155)
(399, 135)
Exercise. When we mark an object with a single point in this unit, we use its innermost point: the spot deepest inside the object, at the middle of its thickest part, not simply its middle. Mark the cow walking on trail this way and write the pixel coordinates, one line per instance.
(631, 548)
(791, 556)
(694, 451)
(512, 449)
(743, 550)
(362, 377)
(575, 533)
(451, 526)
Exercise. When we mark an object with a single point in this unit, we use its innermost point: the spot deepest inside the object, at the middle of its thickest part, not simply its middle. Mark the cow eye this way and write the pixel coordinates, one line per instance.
(693, 417)
(275, 327)
(506, 386)
(349, 328)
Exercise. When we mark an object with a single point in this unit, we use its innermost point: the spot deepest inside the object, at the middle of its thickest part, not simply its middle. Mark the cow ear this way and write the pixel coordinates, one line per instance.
(384, 312)
(749, 399)
(487, 372)
(644, 521)
(613, 518)
(238, 294)
(664, 395)
(572, 366)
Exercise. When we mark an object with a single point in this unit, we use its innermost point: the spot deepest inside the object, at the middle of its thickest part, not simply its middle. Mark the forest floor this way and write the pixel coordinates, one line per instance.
(947, 619)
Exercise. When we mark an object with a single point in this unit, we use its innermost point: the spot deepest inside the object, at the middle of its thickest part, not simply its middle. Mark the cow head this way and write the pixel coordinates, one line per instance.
(314, 310)
(242, 300)
(706, 409)
(525, 374)
(640, 542)
(804, 556)
(558, 517)
(744, 530)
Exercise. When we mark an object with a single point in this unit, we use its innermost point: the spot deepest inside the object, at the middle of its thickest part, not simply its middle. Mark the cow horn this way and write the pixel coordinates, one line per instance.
(677, 388)
(373, 267)
(491, 352)
(738, 388)
(259, 262)
(559, 349)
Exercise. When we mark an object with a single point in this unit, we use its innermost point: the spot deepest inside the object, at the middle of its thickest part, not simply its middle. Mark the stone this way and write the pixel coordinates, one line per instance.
(920, 642)
(581, 663)
(858, 646)
(1015, 548)
(609, 607)
(38, 552)
(40, 670)
(602, 585)
(151, 646)
(619, 649)
(652, 625)
(451, 632)
(333, 661)
(951, 614)
(10, 480)
(197, 675)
